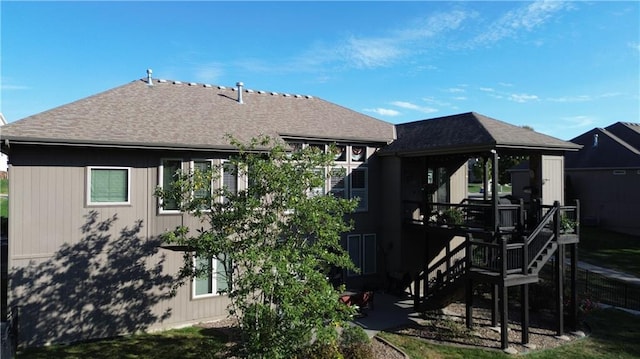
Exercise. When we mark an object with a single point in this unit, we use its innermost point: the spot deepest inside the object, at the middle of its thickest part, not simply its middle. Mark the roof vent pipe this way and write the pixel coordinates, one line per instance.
(239, 84)
(595, 140)
(149, 80)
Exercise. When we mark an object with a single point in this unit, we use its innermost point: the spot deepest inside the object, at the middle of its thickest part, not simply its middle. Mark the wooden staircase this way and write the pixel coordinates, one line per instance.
(506, 258)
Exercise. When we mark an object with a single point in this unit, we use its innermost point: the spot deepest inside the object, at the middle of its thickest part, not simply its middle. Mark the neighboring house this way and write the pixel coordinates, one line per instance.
(85, 255)
(604, 175)
(3, 157)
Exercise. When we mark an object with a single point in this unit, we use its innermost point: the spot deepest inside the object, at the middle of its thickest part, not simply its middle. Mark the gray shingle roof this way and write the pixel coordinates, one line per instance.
(468, 132)
(182, 115)
(611, 150)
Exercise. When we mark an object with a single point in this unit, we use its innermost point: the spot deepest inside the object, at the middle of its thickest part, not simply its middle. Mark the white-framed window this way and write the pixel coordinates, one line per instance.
(202, 167)
(359, 187)
(230, 178)
(358, 154)
(212, 281)
(362, 250)
(108, 186)
(338, 182)
(169, 169)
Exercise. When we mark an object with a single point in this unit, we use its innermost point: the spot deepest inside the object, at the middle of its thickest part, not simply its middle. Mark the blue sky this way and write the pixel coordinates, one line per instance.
(559, 67)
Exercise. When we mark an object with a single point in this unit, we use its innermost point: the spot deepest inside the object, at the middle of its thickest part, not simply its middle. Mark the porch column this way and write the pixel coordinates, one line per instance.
(494, 305)
(469, 303)
(494, 190)
(560, 288)
(574, 286)
(504, 315)
(525, 313)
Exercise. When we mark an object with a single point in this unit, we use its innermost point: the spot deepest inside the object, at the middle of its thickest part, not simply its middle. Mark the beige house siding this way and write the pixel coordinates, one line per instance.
(47, 246)
(71, 274)
(459, 184)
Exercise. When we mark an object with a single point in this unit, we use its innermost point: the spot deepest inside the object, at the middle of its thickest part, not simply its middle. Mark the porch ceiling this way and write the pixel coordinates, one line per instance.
(469, 133)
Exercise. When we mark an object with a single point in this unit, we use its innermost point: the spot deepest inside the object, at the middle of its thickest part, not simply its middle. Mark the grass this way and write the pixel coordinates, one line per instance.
(4, 207)
(610, 249)
(475, 188)
(615, 334)
(4, 185)
(186, 343)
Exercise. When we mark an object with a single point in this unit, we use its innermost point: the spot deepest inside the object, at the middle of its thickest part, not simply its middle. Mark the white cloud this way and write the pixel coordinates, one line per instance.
(383, 111)
(487, 89)
(209, 73)
(578, 121)
(523, 97)
(525, 18)
(414, 107)
(370, 53)
(565, 99)
(635, 46)
(8, 87)
(455, 90)
(460, 98)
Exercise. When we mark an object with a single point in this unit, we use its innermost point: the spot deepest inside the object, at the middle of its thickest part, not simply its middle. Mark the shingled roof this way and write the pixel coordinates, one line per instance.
(172, 114)
(466, 133)
(615, 147)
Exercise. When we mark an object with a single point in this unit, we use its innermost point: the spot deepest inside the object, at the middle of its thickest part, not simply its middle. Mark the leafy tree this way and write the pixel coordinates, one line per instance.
(276, 240)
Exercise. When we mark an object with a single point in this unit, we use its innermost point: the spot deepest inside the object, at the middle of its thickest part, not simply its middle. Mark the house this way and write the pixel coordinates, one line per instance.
(604, 176)
(3, 157)
(85, 257)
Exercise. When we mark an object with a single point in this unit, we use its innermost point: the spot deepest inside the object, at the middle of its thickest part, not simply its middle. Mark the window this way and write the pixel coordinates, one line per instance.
(202, 172)
(362, 251)
(213, 279)
(169, 169)
(108, 185)
(337, 182)
(359, 188)
(229, 179)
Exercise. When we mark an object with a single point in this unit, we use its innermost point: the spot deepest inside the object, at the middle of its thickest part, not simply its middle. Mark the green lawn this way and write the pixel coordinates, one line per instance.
(4, 207)
(610, 249)
(4, 186)
(186, 343)
(615, 334)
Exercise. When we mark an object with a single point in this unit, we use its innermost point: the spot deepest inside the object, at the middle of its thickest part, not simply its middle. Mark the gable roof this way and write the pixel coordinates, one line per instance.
(609, 150)
(468, 132)
(171, 114)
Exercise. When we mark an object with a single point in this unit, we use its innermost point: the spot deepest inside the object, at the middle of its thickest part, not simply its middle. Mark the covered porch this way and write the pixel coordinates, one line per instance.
(451, 241)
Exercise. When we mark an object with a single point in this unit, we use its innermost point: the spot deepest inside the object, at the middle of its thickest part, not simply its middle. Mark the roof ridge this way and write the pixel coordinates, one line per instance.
(620, 141)
(221, 87)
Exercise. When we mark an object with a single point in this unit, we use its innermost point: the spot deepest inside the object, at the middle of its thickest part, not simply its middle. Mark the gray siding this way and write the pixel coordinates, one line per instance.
(607, 199)
(81, 272)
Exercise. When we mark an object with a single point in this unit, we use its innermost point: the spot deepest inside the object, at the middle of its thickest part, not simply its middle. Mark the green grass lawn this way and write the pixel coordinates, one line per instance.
(615, 334)
(4, 186)
(4, 207)
(610, 249)
(186, 343)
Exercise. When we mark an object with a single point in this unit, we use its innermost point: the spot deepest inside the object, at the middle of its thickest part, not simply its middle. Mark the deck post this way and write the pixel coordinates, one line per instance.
(469, 303)
(559, 270)
(574, 286)
(525, 313)
(494, 305)
(469, 290)
(504, 315)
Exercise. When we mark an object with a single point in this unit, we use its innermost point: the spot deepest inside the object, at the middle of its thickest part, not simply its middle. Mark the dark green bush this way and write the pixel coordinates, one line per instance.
(355, 343)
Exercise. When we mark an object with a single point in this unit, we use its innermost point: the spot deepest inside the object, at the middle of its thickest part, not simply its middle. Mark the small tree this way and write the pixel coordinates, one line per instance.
(276, 240)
